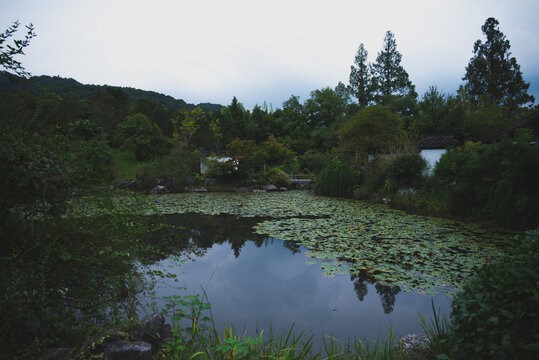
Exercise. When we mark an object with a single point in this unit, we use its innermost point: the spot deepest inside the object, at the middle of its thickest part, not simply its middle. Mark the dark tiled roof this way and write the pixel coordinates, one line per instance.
(531, 121)
(437, 142)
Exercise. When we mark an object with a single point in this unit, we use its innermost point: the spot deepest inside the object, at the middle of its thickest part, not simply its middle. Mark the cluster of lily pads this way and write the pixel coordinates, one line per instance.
(416, 253)
(413, 252)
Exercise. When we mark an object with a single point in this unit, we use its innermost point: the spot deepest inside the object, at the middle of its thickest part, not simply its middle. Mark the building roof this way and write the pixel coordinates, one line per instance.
(437, 142)
(531, 121)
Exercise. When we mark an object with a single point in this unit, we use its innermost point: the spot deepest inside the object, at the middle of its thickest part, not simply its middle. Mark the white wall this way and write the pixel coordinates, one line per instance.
(432, 156)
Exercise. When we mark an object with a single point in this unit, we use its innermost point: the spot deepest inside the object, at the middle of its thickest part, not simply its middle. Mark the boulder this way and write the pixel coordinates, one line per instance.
(125, 350)
(270, 187)
(153, 330)
(159, 189)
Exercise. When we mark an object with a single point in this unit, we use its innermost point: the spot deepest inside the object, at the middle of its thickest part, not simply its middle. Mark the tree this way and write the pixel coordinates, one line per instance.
(111, 106)
(138, 134)
(361, 78)
(389, 77)
(6, 55)
(440, 114)
(493, 74)
(324, 107)
(373, 130)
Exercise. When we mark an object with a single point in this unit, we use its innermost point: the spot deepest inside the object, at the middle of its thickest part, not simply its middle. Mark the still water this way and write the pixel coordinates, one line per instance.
(254, 282)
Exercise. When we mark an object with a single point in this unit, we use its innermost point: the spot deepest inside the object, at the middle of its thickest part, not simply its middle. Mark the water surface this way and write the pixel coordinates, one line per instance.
(254, 282)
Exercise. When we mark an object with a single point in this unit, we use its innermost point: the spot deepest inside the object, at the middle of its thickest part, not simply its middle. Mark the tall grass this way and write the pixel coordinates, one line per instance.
(196, 337)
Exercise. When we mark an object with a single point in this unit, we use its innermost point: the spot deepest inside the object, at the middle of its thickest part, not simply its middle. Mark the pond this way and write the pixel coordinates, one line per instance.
(327, 266)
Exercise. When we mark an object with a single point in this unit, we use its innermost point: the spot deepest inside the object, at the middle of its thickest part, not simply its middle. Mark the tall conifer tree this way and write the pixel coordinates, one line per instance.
(390, 78)
(361, 78)
(492, 74)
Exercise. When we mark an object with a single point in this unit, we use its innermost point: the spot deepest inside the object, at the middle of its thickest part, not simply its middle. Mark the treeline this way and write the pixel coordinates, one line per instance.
(340, 128)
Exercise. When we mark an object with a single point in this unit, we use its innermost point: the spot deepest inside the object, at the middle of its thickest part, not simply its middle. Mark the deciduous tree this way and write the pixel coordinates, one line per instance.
(8, 52)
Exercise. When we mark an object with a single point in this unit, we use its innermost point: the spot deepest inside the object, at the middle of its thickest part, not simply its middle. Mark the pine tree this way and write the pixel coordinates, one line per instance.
(390, 78)
(361, 78)
(492, 74)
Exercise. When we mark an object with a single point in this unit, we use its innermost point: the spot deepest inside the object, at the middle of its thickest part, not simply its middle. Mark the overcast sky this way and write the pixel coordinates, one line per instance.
(210, 51)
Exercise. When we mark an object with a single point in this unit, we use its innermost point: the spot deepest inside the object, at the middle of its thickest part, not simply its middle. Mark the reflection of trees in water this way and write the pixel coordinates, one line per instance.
(387, 296)
(195, 232)
(387, 292)
(293, 246)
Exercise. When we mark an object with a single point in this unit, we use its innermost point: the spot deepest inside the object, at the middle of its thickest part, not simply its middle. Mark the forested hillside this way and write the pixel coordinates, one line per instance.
(67, 87)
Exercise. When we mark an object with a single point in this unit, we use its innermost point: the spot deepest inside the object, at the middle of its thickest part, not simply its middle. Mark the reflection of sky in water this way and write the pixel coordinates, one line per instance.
(271, 285)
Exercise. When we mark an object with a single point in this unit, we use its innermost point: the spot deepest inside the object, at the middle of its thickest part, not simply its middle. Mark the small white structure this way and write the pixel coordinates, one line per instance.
(433, 147)
(204, 167)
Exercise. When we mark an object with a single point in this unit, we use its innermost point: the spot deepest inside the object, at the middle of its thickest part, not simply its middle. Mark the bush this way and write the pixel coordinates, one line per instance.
(138, 134)
(337, 179)
(315, 161)
(406, 170)
(279, 178)
(496, 316)
(496, 181)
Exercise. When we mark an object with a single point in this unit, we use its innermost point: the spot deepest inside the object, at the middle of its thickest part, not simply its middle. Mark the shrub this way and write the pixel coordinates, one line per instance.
(138, 134)
(315, 161)
(406, 170)
(279, 178)
(496, 316)
(496, 181)
(337, 179)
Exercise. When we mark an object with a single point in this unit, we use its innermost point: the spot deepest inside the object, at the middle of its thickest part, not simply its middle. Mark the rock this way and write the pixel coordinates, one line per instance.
(58, 354)
(270, 187)
(125, 350)
(415, 346)
(97, 344)
(159, 189)
(413, 340)
(282, 188)
(153, 330)
(195, 189)
(210, 182)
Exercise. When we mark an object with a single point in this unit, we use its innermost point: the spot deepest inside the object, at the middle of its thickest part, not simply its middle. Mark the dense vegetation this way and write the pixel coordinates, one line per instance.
(62, 273)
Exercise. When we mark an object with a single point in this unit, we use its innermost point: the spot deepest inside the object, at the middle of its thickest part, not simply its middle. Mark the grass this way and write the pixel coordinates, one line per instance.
(195, 337)
(126, 165)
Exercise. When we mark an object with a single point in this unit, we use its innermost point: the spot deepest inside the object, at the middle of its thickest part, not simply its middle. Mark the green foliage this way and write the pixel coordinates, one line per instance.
(279, 178)
(224, 170)
(405, 170)
(142, 137)
(389, 76)
(492, 74)
(361, 82)
(337, 179)
(8, 52)
(496, 315)
(373, 130)
(440, 114)
(170, 168)
(496, 181)
(373, 179)
(324, 107)
(315, 161)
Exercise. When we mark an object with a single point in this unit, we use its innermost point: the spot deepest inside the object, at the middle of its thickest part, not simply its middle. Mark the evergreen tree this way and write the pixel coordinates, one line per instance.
(361, 78)
(389, 76)
(493, 74)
